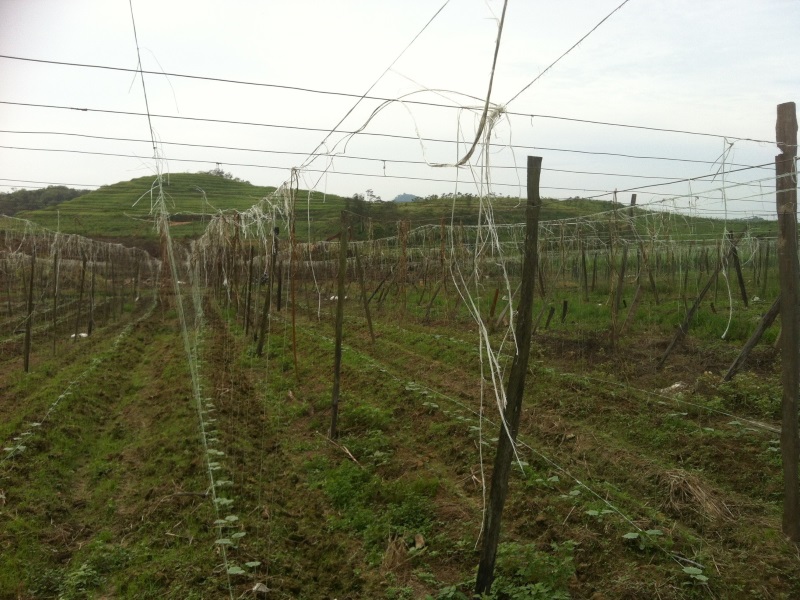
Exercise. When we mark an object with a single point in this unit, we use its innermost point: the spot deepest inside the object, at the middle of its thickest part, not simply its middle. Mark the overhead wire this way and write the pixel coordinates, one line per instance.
(570, 49)
(424, 139)
(418, 102)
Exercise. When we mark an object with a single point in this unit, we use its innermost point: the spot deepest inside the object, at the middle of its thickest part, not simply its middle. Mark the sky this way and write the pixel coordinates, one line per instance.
(709, 67)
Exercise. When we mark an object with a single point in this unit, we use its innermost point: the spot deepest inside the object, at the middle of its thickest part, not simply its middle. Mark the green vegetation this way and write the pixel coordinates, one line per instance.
(631, 482)
(122, 210)
(17, 201)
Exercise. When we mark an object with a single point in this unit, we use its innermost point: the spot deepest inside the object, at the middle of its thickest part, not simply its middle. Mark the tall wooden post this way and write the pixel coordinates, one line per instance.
(516, 386)
(262, 332)
(29, 320)
(55, 292)
(90, 326)
(786, 200)
(362, 285)
(80, 298)
(337, 353)
(248, 292)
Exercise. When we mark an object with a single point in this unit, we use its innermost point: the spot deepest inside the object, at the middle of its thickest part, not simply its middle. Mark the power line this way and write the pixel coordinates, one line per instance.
(50, 182)
(382, 99)
(669, 181)
(345, 156)
(313, 129)
(571, 48)
(364, 95)
(600, 194)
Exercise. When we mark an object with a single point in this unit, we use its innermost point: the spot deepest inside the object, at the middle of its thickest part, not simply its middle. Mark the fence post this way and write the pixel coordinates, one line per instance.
(786, 201)
(516, 386)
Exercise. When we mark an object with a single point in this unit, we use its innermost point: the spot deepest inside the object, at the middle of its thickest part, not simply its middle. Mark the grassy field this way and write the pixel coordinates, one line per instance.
(162, 457)
(632, 482)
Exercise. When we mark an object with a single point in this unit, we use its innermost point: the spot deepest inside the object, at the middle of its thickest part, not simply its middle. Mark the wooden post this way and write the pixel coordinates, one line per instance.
(684, 327)
(765, 272)
(90, 325)
(29, 319)
(763, 325)
(516, 387)
(585, 278)
(80, 299)
(55, 293)
(430, 303)
(637, 297)
(786, 200)
(739, 276)
(248, 293)
(617, 298)
(550, 314)
(494, 303)
(293, 280)
(262, 333)
(279, 294)
(337, 354)
(363, 287)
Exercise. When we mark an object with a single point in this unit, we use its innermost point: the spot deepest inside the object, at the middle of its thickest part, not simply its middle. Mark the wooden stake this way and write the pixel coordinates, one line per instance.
(337, 353)
(80, 299)
(90, 325)
(786, 200)
(362, 285)
(248, 292)
(29, 321)
(516, 387)
(550, 314)
(637, 297)
(262, 333)
(684, 327)
(763, 325)
(739, 276)
(55, 295)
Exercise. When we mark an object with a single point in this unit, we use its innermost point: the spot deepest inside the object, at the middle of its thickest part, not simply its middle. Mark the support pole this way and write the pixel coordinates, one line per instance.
(684, 327)
(90, 325)
(786, 200)
(516, 386)
(56, 253)
(337, 353)
(763, 325)
(362, 285)
(29, 319)
(80, 299)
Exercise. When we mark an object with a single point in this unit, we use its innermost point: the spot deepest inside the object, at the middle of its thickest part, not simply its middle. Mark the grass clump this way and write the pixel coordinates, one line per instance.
(376, 509)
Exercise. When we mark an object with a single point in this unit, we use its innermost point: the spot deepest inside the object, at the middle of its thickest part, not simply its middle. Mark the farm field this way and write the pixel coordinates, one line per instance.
(143, 464)
(481, 301)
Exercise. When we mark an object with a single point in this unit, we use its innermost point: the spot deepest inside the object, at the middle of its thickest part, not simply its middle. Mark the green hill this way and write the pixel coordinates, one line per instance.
(122, 212)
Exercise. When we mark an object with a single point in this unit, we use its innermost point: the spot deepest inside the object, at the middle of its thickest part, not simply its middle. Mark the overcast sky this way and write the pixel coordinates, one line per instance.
(706, 66)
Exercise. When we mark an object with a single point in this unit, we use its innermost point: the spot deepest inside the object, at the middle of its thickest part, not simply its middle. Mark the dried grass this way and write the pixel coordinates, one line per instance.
(396, 555)
(687, 492)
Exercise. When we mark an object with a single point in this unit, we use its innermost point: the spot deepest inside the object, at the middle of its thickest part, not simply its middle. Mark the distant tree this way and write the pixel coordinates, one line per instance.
(20, 200)
(218, 172)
